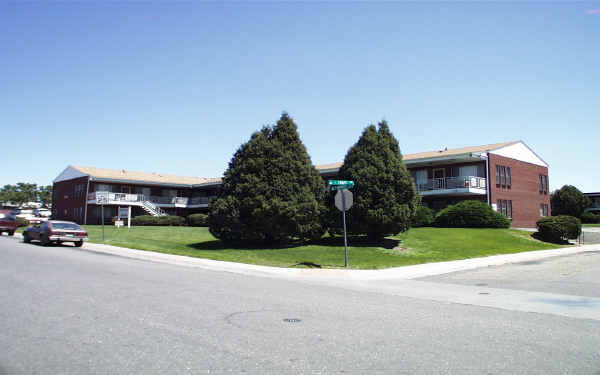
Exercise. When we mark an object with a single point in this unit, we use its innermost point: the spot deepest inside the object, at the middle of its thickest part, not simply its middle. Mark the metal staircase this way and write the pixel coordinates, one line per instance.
(152, 209)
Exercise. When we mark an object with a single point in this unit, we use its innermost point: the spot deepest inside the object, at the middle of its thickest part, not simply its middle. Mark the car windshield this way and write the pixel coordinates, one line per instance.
(70, 226)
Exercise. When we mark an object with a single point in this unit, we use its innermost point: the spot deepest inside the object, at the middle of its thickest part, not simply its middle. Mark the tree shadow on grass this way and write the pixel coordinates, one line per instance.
(354, 241)
(358, 241)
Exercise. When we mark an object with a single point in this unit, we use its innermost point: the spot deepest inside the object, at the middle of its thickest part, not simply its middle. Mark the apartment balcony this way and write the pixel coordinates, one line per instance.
(105, 197)
(453, 186)
(184, 202)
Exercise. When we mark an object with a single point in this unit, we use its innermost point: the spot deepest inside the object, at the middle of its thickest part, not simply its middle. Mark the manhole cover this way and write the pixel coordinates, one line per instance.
(484, 293)
(481, 284)
(291, 320)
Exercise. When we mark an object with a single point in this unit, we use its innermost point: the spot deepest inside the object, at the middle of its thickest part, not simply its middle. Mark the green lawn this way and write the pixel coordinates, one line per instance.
(591, 225)
(419, 245)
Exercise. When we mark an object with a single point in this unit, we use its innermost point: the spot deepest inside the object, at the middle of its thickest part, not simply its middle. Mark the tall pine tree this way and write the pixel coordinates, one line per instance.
(385, 197)
(271, 192)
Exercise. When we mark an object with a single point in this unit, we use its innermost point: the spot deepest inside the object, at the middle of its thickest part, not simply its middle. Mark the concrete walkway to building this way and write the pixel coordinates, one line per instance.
(399, 273)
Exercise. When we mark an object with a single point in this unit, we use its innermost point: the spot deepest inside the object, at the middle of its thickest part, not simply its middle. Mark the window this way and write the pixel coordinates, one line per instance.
(543, 184)
(497, 175)
(104, 187)
(79, 188)
(505, 207)
(503, 176)
(543, 209)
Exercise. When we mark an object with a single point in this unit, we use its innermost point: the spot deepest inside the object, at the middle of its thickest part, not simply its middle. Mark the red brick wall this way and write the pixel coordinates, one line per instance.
(524, 191)
(65, 200)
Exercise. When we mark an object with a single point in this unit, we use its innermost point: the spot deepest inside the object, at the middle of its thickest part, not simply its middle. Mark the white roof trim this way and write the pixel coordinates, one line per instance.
(68, 174)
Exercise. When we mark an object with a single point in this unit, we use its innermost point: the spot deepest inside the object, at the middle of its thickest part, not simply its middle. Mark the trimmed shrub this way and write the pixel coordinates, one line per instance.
(471, 214)
(590, 218)
(145, 220)
(385, 196)
(423, 217)
(558, 228)
(271, 192)
(172, 221)
(197, 220)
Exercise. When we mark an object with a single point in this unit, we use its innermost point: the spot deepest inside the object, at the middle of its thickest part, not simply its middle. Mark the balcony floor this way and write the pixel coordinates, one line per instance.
(457, 192)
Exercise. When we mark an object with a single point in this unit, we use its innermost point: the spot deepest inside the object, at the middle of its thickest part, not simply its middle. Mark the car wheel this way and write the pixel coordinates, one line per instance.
(11, 233)
(78, 243)
(26, 238)
(45, 241)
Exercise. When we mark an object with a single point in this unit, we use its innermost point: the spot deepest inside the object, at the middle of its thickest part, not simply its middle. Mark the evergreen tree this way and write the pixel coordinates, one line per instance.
(568, 200)
(385, 197)
(271, 192)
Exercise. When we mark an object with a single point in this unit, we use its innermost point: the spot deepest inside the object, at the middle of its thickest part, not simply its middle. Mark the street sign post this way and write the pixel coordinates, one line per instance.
(339, 184)
(102, 199)
(102, 207)
(343, 201)
(125, 212)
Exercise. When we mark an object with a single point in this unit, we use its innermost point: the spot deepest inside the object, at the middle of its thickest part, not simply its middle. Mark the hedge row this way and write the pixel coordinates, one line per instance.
(590, 218)
(424, 217)
(158, 220)
(22, 222)
(194, 220)
(470, 214)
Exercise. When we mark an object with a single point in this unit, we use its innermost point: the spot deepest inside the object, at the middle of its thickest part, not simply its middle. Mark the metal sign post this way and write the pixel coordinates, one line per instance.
(102, 205)
(102, 199)
(343, 201)
(344, 220)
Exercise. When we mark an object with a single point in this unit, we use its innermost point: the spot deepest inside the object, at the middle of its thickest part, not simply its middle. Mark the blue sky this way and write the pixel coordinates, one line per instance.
(176, 88)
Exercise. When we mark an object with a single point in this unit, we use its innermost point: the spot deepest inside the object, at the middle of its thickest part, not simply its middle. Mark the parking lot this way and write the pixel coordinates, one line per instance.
(573, 275)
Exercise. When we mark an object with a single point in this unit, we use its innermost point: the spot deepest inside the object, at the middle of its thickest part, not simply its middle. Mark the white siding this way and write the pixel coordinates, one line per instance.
(520, 151)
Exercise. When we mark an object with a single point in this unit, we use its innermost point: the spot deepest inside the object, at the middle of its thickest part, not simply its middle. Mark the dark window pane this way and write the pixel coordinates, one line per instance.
(497, 175)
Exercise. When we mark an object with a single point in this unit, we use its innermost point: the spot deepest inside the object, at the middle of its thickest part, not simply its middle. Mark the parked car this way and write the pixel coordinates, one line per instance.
(56, 231)
(8, 222)
(42, 212)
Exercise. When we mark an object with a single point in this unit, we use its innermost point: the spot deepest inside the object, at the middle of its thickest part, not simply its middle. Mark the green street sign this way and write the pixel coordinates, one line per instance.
(341, 187)
(339, 182)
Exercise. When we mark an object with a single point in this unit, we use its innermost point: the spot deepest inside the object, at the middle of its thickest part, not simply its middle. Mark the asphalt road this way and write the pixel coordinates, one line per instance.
(69, 311)
(573, 275)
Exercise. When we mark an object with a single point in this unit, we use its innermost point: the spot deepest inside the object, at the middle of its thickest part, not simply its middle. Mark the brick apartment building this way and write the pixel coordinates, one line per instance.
(509, 176)
(595, 198)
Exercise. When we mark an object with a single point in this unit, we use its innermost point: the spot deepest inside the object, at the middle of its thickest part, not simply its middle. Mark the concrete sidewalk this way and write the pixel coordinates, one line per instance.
(396, 273)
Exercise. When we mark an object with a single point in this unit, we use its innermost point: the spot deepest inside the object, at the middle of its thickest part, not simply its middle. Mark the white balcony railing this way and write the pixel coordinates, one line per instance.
(105, 196)
(460, 182)
(116, 198)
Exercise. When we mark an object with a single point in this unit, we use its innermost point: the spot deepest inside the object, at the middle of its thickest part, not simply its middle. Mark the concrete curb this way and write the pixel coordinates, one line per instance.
(396, 273)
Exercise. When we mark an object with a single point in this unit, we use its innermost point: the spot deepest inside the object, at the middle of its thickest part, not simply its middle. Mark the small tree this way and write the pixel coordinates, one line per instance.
(568, 200)
(45, 195)
(271, 192)
(385, 197)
